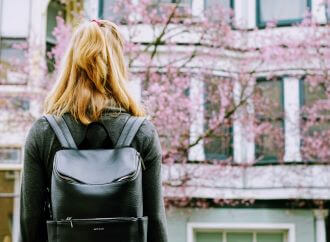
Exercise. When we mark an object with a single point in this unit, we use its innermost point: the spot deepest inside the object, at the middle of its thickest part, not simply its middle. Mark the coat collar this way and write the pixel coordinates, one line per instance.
(78, 130)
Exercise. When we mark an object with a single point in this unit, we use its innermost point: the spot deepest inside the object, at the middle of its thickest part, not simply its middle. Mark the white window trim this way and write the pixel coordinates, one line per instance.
(292, 119)
(290, 228)
(9, 167)
(197, 125)
(245, 13)
(197, 7)
(243, 147)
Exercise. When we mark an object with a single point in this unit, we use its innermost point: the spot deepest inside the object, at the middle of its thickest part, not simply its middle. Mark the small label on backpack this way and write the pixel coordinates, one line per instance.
(98, 229)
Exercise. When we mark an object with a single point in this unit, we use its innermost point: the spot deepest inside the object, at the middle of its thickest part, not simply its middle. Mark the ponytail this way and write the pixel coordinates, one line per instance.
(93, 75)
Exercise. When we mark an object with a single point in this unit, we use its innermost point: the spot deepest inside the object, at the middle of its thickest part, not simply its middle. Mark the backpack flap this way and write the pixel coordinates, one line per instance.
(96, 167)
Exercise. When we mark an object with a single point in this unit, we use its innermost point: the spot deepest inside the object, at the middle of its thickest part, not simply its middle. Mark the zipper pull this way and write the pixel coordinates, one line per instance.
(142, 163)
(70, 220)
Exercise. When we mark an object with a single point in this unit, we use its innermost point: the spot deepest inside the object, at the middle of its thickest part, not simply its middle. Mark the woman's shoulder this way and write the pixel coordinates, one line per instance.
(148, 136)
(147, 129)
(38, 136)
(38, 126)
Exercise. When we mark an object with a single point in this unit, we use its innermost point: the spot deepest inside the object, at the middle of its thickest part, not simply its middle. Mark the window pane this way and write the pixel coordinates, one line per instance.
(312, 97)
(209, 237)
(6, 204)
(12, 59)
(312, 94)
(270, 237)
(54, 9)
(114, 11)
(218, 145)
(271, 94)
(327, 6)
(8, 52)
(239, 237)
(282, 9)
(107, 10)
(10, 156)
(269, 112)
(212, 3)
(18, 10)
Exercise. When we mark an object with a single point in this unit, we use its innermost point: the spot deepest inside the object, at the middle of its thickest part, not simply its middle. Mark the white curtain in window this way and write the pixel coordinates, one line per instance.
(282, 9)
(14, 18)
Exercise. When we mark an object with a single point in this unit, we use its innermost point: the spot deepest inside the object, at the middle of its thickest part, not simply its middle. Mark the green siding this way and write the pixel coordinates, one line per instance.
(303, 220)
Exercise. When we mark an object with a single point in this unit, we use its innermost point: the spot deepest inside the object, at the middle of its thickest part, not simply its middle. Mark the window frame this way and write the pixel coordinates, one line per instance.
(217, 156)
(280, 23)
(101, 7)
(269, 158)
(303, 118)
(24, 81)
(100, 10)
(287, 228)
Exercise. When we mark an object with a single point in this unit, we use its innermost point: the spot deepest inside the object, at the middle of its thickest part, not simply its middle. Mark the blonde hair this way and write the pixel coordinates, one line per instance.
(93, 75)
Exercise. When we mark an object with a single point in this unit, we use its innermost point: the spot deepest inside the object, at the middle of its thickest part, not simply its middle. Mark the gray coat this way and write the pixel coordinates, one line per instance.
(40, 147)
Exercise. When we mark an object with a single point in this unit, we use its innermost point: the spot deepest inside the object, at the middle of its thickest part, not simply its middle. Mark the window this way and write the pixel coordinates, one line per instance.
(10, 156)
(183, 8)
(13, 103)
(114, 11)
(315, 127)
(235, 236)
(218, 145)
(12, 52)
(223, 3)
(7, 191)
(269, 109)
(55, 8)
(181, 3)
(327, 10)
(283, 12)
(13, 41)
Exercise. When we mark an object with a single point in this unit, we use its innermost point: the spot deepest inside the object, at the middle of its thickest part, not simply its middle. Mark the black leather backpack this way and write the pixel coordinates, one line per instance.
(96, 194)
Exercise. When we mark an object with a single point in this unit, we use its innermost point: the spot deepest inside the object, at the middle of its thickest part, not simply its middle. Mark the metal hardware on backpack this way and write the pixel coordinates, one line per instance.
(96, 194)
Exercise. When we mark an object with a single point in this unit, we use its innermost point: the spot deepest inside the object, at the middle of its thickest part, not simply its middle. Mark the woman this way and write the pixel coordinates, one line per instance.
(90, 87)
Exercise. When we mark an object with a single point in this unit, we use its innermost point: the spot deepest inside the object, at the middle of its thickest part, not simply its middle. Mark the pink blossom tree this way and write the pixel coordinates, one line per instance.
(202, 72)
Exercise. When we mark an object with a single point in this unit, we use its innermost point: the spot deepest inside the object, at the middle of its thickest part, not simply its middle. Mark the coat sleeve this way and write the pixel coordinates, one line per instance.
(153, 203)
(32, 199)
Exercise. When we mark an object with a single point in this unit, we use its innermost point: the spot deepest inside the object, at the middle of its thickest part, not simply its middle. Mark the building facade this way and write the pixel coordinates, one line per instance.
(276, 215)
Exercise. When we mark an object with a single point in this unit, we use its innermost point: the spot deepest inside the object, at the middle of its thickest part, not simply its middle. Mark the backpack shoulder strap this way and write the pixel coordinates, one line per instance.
(61, 130)
(129, 131)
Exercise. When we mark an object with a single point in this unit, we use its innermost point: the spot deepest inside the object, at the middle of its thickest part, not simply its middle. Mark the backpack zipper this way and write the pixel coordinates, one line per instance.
(131, 175)
(71, 220)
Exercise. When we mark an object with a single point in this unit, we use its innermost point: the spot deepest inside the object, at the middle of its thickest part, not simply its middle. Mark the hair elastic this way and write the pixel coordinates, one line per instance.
(96, 21)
